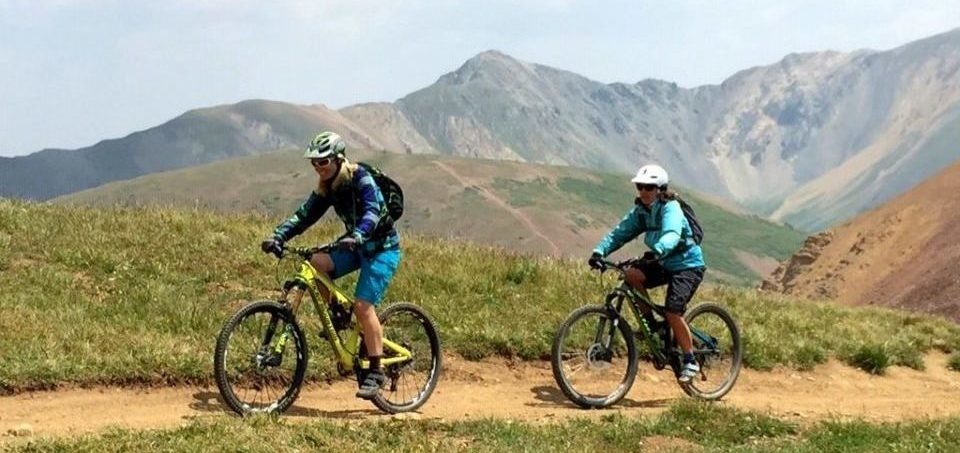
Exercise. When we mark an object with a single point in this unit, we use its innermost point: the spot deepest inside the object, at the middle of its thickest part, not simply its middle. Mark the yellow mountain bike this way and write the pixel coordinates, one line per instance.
(260, 361)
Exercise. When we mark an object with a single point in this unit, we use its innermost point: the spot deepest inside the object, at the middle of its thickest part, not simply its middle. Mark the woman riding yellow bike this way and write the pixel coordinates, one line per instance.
(371, 243)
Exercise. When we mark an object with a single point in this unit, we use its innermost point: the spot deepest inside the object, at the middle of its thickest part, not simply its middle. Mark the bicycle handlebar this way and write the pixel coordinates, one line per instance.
(618, 266)
(613, 265)
(307, 252)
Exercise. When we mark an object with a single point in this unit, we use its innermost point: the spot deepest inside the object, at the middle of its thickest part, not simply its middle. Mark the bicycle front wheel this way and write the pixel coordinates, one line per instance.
(260, 359)
(410, 383)
(594, 358)
(717, 347)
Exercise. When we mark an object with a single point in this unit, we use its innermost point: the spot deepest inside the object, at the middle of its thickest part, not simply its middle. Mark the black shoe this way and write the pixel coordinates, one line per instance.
(371, 385)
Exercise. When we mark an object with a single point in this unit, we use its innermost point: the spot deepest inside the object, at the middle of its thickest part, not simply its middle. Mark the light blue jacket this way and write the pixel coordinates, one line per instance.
(661, 237)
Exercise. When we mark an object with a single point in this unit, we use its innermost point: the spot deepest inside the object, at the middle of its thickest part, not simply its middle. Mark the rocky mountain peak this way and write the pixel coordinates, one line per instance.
(489, 64)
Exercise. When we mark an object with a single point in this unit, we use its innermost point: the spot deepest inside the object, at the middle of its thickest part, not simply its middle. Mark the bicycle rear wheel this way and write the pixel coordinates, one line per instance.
(260, 359)
(717, 347)
(594, 358)
(409, 384)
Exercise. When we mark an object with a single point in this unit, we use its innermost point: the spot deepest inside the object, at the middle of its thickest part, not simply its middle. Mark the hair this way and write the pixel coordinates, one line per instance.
(343, 176)
(666, 194)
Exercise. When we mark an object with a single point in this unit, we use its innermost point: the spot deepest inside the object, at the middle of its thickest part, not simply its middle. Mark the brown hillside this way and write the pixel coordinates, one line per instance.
(904, 254)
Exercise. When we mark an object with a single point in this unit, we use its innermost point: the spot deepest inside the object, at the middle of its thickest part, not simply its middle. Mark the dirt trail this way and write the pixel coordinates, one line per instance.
(502, 389)
(493, 198)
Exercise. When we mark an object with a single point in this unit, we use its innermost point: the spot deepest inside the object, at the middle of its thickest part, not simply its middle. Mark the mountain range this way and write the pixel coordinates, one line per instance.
(811, 140)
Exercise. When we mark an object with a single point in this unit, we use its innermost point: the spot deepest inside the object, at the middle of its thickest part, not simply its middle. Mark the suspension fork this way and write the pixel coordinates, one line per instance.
(613, 313)
(291, 297)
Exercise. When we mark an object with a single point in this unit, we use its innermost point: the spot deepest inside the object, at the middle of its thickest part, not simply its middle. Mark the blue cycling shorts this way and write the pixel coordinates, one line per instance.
(376, 271)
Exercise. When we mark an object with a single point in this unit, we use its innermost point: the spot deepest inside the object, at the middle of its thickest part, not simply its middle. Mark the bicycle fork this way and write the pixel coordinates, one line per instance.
(273, 356)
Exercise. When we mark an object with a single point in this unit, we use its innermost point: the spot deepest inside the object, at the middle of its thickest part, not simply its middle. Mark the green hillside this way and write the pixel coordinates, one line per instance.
(138, 295)
(524, 207)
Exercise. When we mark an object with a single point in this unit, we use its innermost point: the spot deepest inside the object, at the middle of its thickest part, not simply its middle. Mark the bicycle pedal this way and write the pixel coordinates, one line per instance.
(273, 360)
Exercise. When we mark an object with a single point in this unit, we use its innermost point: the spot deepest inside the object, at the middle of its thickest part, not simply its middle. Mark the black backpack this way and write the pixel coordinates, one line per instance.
(392, 193)
(692, 220)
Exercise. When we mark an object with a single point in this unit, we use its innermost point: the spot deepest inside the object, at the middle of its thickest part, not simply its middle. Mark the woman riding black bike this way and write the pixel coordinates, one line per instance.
(675, 258)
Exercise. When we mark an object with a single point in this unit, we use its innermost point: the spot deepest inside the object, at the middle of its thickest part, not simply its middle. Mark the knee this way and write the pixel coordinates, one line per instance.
(675, 309)
(635, 278)
(364, 308)
(322, 262)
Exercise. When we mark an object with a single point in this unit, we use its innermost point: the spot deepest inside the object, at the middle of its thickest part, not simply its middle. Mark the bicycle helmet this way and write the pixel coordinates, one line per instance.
(325, 144)
(651, 174)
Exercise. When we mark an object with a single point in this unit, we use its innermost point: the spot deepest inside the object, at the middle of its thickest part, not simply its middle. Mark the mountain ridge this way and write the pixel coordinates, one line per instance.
(779, 139)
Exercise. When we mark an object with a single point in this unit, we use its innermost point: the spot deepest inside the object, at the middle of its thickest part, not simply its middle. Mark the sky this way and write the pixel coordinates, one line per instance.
(74, 72)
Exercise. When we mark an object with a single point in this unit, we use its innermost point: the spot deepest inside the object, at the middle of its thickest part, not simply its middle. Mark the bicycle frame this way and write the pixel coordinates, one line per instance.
(614, 303)
(346, 350)
(642, 297)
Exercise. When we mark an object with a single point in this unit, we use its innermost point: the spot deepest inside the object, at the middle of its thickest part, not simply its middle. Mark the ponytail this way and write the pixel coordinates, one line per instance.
(666, 194)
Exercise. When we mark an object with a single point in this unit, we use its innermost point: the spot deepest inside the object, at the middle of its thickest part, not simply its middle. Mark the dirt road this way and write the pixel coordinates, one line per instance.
(520, 391)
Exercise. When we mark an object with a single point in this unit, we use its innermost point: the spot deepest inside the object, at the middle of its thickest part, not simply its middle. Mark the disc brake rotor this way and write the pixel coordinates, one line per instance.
(598, 357)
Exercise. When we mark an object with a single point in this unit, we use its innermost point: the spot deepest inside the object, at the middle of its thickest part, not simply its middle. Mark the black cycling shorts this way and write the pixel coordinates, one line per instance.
(681, 284)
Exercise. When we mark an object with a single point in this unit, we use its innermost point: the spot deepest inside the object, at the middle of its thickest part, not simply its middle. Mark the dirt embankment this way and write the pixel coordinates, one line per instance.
(904, 254)
(511, 390)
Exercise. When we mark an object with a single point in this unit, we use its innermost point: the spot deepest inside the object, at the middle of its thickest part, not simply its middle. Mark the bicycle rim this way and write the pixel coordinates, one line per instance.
(254, 374)
(594, 360)
(409, 384)
(716, 345)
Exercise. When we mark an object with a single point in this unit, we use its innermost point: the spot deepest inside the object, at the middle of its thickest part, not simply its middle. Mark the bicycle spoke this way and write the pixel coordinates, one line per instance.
(574, 370)
(716, 351)
(258, 378)
(411, 381)
(593, 358)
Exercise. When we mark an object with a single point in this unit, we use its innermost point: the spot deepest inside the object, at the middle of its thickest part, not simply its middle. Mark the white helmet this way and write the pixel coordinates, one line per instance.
(325, 144)
(651, 174)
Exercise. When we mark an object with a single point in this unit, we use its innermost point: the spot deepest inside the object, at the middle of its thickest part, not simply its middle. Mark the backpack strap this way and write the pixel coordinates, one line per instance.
(385, 224)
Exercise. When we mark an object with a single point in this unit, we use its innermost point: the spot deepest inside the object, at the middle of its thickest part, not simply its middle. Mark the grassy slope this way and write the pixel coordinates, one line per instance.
(685, 426)
(725, 231)
(138, 295)
(573, 207)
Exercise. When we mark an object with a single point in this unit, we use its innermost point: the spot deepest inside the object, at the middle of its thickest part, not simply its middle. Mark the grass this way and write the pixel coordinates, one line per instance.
(873, 359)
(523, 194)
(954, 362)
(686, 425)
(138, 295)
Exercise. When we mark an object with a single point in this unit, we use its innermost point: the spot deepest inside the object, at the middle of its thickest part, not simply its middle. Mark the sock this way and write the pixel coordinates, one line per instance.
(374, 363)
(688, 358)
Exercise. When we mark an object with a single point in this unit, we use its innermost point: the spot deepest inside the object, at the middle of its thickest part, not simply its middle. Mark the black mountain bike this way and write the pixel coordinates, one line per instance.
(594, 354)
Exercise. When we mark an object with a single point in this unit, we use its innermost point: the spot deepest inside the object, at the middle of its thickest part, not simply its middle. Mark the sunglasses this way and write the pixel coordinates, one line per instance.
(321, 162)
(647, 187)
